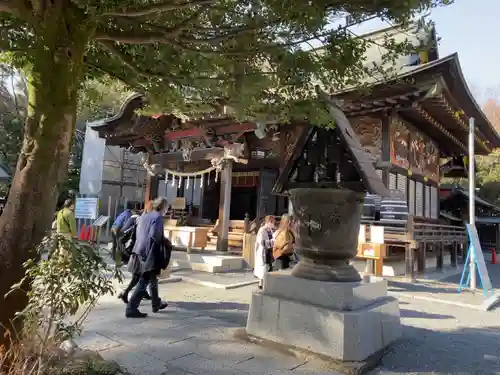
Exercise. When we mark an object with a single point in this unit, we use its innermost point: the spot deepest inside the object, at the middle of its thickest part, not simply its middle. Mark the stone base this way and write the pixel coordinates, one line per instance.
(344, 321)
(207, 262)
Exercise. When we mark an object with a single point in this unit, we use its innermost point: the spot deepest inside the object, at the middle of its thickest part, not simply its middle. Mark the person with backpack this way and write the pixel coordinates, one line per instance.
(150, 255)
(117, 228)
(127, 245)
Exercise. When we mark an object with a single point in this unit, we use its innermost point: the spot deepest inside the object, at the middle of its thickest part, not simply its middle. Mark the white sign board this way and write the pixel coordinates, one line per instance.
(376, 234)
(478, 252)
(86, 208)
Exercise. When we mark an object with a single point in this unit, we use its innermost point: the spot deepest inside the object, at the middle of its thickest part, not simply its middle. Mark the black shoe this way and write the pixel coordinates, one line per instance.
(163, 305)
(135, 314)
(124, 297)
(147, 296)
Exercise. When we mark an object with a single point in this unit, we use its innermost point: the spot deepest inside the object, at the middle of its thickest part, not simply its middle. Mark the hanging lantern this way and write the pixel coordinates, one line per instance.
(187, 183)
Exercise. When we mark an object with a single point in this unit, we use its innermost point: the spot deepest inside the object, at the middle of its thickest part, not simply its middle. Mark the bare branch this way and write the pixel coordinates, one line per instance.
(159, 8)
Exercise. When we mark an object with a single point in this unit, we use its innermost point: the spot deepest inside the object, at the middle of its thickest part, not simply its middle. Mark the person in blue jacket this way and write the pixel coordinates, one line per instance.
(116, 229)
(150, 255)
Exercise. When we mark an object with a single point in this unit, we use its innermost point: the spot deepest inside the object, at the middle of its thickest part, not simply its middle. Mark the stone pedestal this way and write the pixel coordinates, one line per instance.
(346, 321)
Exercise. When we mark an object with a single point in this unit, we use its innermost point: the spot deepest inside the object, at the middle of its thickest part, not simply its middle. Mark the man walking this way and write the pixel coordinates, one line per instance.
(116, 230)
(148, 258)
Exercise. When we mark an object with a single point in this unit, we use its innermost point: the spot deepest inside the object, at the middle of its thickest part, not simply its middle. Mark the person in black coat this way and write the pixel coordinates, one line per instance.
(149, 256)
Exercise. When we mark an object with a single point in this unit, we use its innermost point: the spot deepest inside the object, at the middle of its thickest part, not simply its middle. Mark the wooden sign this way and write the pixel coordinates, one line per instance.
(179, 203)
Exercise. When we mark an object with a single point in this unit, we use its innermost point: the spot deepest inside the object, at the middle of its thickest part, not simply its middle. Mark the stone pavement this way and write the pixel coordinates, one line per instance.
(194, 335)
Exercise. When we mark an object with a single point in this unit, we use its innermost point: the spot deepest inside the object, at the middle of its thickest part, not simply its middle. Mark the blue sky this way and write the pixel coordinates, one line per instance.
(471, 28)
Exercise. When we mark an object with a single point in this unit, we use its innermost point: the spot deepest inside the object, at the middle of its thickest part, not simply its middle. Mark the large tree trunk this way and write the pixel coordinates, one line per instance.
(55, 74)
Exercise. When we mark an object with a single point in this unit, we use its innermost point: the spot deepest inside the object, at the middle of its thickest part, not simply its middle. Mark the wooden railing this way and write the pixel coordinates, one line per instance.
(418, 238)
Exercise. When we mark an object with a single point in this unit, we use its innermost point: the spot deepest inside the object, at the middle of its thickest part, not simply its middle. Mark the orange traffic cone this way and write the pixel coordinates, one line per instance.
(493, 256)
(83, 232)
(88, 233)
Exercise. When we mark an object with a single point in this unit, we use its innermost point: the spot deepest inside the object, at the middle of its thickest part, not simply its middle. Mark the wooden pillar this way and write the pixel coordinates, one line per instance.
(225, 206)
(497, 244)
(440, 256)
(410, 263)
(151, 189)
(386, 147)
(454, 253)
(422, 255)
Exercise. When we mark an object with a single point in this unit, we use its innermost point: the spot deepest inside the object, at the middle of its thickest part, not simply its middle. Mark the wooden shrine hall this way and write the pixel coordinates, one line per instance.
(413, 127)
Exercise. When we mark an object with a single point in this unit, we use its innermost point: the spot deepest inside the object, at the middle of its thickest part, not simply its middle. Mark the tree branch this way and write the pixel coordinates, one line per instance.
(128, 61)
(158, 34)
(133, 38)
(17, 8)
(159, 8)
(8, 6)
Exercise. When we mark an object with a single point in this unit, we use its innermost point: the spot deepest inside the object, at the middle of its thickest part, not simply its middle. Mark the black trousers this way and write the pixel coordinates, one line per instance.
(282, 262)
(116, 243)
(146, 278)
(133, 282)
(269, 259)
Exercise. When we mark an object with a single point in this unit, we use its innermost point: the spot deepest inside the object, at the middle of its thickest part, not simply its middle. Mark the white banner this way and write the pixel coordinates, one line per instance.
(92, 162)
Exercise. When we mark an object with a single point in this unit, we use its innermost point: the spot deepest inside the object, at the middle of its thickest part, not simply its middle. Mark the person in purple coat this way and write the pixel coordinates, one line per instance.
(149, 256)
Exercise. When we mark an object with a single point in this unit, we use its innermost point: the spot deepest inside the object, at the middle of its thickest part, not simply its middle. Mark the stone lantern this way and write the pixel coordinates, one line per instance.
(322, 305)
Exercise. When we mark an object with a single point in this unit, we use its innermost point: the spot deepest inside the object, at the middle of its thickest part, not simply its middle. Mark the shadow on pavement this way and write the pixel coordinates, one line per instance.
(423, 315)
(463, 351)
(209, 305)
(493, 272)
(399, 286)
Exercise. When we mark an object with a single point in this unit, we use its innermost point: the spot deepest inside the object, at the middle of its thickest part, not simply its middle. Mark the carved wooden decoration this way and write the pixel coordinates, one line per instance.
(289, 136)
(369, 131)
(364, 166)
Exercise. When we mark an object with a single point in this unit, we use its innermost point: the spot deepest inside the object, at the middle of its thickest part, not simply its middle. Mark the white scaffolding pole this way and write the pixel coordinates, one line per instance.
(472, 199)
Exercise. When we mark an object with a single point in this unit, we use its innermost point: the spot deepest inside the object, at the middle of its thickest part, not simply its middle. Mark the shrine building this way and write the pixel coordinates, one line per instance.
(413, 127)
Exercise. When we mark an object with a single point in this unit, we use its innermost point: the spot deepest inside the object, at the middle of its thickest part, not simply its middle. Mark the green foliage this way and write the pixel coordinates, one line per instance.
(259, 57)
(99, 98)
(488, 177)
(65, 283)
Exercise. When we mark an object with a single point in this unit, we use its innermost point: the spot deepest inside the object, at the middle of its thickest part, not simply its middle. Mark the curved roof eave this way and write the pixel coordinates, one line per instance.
(482, 122)
(472, 110)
